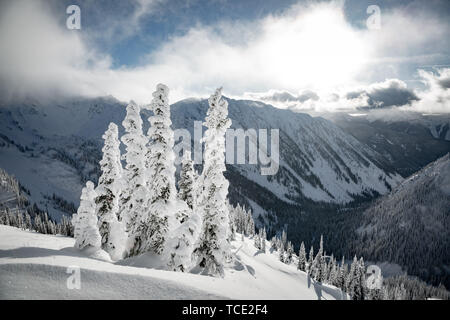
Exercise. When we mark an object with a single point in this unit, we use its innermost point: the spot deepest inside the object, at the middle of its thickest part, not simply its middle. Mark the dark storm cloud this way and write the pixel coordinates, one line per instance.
(308, 95)
(444, 83)
(354, 94)
(389, 94)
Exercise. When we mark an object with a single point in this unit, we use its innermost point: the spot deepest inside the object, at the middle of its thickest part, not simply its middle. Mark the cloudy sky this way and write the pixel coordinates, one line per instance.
(304, 55)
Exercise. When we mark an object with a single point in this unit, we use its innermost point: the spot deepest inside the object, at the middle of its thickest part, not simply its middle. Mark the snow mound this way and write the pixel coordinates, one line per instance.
(34, 266)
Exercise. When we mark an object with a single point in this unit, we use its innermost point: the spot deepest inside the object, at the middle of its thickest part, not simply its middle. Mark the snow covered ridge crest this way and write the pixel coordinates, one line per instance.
(137, 210)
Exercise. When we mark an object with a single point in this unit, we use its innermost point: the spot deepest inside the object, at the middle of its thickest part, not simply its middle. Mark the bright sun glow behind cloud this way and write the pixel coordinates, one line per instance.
(316, 49)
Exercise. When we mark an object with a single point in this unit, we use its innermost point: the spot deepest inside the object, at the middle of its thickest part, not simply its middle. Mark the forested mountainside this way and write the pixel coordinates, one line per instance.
(411, 225)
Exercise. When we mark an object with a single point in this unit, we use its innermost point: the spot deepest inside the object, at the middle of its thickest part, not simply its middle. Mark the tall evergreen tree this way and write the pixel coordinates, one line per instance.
(85, 221)
(108, 192)
(161, 157)
(257, 241)
(311, 261)
(331, 270)
(342, 275)
(37, 224)
(173, 225)
(263, 239)
(250, 224)
(302, 258)
(289, 252)
(361, 280)
(134, 195)
(319, 263)
(353, 280)
(161, 204)
(213, 248)
(284, 238)
(28, 224)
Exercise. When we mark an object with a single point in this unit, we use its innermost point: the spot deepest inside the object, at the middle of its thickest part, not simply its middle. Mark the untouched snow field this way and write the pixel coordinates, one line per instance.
(34, 266)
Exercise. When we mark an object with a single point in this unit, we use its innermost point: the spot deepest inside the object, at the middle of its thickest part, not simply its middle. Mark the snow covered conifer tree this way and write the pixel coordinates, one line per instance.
(162, 213)
(20, 221)
(284, 239)
(257, 241)
(342, 275)
(282, 255)
(302, 258)
(232, 222)
(326, 268)
(289, 252)
(319, 263)
(45, 223)
(250, 224)
(134, 195)
(332, 272)
(361, 279)
(352, 279)
(242, 220)
(263, 239)
(311, 261)
(213, 248)
(183, 237)
(37, 223)
(162, 157)
(85, 221)
(108, 192)
(187, 181)
(273, 244)
(28, 223)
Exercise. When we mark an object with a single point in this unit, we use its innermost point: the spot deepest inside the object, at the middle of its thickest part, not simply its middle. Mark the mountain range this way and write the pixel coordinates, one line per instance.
(54, 147)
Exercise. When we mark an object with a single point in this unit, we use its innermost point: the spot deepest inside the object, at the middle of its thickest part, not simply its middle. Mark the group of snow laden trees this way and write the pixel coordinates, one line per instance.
(36, 220)
(17, 211)
(138, 209)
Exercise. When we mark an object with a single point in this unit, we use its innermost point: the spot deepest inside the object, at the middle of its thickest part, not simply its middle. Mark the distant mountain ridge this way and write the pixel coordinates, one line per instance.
(408, 140)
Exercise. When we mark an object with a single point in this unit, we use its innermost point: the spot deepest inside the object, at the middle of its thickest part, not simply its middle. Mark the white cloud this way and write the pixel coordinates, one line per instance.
(407, 39)
(436, 98)
(39, 56)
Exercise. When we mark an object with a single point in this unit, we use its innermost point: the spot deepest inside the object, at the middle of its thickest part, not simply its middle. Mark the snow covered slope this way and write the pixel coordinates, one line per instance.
(54, 147)
(33, 266)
